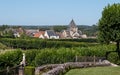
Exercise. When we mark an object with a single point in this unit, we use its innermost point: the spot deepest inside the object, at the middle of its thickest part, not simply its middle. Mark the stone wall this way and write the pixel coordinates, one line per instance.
(57, 69)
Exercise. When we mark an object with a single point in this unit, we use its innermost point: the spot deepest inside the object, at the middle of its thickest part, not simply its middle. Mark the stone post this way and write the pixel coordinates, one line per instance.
(94, 59)
(8, 70)
(21, 70)
(76, 58)
(22, 63)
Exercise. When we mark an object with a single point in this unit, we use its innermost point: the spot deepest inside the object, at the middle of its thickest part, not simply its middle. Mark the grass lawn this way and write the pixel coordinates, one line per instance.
(95, 71)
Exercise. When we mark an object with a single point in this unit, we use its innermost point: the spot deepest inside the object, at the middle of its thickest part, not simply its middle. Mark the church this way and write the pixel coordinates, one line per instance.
(72, 32)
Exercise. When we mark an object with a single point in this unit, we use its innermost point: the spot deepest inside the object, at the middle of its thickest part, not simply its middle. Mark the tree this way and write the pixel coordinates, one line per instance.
(3, 27)
(109, 26)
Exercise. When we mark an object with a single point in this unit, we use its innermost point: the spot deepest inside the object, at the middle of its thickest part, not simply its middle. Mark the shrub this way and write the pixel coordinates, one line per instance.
(62, 55)
(41, 43)
(90, 40)
(113, 57)
(10, 58)
(2, 46)
(52, 56)
(30, 56)
(29, 70)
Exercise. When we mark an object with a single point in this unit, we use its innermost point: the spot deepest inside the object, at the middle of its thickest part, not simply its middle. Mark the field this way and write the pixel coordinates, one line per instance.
(95, 71)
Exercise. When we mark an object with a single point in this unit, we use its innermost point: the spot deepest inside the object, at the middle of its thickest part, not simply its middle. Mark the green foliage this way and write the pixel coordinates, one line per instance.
(88, 40)
(10, 58)
(30, 56)
(3, 27)
(29, 70)
(89, 30)
(59, 28)
(3, 46)
(62, 55)
(40, 43)
(98, 50)
(113, 57)
(52, 56)
(109, 24)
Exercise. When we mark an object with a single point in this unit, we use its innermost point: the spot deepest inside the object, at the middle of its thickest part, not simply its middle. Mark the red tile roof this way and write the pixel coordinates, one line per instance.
(38, 34)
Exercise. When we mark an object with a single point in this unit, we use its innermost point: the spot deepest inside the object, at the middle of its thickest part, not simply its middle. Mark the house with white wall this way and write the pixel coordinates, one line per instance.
(39, 34)
(50, 34)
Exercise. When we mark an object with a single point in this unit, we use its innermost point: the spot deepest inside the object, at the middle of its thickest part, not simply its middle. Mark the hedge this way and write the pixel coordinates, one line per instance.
(3, 47)
(55, 55)
(41, 43)
(10, 58)
(29, 70)
(62, 55)
(88, 40)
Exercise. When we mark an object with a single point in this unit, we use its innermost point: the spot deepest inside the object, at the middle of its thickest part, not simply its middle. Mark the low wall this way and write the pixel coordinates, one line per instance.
(57, 69)
(16, 70)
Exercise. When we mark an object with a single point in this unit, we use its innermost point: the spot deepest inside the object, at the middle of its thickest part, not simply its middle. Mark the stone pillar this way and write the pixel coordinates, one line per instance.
(76, 58)
(22, 63)
(8, 70)
(94, 59)
(21, 70)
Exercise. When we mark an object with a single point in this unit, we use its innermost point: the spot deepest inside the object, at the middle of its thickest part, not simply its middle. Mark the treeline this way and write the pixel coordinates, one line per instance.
(42, 43)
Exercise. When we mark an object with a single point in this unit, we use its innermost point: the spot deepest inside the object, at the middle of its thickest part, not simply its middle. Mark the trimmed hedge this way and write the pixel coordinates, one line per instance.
(3, 46)
(62, 55)
(88, 40)
(113, 57)
(30, 56)
(29, 70)
(10, 58)
(54, 56)
(41, 43)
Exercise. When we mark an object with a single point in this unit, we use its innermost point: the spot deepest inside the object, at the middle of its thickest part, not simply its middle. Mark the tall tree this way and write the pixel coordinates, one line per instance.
(109, 25)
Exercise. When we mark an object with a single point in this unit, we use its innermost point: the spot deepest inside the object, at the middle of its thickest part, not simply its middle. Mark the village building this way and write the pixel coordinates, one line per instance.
(72, 32)
(50, 34)
(39, 34)
(16, 34)
(31, 32)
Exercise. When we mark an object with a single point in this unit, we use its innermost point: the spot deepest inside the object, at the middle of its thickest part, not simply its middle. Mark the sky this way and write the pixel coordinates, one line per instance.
(52, 12)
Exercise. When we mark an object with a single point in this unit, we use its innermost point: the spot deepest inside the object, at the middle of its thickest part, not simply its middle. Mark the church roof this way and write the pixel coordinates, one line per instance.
(72, 24)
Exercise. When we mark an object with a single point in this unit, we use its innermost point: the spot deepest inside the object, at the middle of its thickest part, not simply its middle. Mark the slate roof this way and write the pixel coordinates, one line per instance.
(72, 24)
(31, 31)
(51, 33)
